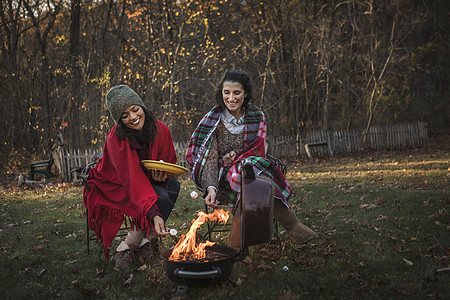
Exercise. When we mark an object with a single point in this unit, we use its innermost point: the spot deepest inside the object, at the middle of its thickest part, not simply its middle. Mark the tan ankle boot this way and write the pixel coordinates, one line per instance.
(234, 240)
(288, 219)
(134, 238)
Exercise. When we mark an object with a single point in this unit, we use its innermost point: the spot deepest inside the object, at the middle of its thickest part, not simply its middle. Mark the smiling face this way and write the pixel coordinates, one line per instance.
(133, 117)
(233, 95)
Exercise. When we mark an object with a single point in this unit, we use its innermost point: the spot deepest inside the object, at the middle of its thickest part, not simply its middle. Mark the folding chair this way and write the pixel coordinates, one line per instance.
(227, 227)
(90, 236)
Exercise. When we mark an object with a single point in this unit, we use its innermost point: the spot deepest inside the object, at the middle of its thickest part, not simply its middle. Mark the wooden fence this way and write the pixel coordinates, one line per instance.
(400, 136)
(71, 162)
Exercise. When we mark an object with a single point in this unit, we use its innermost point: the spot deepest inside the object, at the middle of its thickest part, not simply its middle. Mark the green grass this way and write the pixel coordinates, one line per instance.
(371, 214)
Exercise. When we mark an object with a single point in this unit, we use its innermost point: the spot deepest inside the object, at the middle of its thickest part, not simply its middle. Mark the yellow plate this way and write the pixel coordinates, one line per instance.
(164, 166)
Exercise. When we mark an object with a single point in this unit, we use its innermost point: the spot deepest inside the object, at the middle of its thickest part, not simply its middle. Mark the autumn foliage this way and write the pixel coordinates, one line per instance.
(315, 64)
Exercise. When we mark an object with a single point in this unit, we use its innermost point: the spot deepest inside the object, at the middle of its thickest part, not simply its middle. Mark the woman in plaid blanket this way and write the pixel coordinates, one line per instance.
(231, 131)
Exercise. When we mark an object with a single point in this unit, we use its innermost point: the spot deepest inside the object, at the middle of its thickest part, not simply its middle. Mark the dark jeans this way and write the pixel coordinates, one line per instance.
(168, 193)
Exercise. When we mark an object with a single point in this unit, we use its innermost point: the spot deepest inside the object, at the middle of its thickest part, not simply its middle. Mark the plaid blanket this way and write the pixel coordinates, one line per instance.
(255, 135)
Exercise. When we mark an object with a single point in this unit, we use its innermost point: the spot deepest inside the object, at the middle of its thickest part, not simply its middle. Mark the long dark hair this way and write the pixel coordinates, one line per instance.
(149, 130)
(235, 76)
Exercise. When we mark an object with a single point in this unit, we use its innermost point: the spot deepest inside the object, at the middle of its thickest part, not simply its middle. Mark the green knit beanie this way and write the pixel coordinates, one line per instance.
(118, 98)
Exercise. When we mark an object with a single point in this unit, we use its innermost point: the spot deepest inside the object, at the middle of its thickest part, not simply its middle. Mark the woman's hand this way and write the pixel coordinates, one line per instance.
(160, 176)
(158, 223)
(211, 199)
(229, 158)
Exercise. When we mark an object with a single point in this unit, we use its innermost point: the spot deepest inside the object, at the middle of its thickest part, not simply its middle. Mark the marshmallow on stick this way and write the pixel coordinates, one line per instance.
(194, 195)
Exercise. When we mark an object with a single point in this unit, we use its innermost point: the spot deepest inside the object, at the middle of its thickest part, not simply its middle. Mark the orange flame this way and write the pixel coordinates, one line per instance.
(186, 247)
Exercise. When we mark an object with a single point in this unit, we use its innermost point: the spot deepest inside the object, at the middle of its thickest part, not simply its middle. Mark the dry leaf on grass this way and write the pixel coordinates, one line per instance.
(303, 260)
(239, 282)
(263, 266)
(368, 206)
(260, 275)
(247, 260)
(129, 280)
(443, 270)
(408, 263)
(381, 217)
(142, 268)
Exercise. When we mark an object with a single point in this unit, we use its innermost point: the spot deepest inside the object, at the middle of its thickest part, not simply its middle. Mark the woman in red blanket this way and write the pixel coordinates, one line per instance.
(232, 131)
(122, 189)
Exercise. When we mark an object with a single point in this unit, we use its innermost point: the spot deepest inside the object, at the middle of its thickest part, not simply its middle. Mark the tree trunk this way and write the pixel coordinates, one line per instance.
(75, 99)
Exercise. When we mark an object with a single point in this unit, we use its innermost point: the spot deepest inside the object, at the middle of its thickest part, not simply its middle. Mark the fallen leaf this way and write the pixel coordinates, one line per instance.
(129, 280)
(239, 281)
(185, 225)
(140, 260)
(368, 206)
(408, 263)
(25, 270)
(381, 217)
(39, 248)
(247, 260)
(304, 259)
(432, 247)
(443, 270)
(142, 268)
(378, 246)
(263, 266)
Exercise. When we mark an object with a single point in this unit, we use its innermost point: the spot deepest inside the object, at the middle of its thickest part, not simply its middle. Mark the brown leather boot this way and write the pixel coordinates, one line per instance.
(234, 240)
(124, 257)
(288, 219)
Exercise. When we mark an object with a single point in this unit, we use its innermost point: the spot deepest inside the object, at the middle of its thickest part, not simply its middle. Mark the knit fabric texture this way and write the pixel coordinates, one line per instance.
(119, 98)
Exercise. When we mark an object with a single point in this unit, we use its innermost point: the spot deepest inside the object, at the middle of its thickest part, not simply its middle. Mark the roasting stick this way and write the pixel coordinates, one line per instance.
(208, 233)
(173, 234)
(194, 195)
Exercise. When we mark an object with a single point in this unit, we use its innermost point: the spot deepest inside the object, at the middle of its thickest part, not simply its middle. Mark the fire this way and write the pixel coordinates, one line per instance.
(186, 247)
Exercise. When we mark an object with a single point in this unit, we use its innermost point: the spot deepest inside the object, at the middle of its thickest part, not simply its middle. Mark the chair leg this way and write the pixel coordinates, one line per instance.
(88, 238)
(277, 235)
(234, 239)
